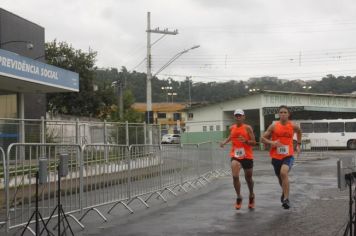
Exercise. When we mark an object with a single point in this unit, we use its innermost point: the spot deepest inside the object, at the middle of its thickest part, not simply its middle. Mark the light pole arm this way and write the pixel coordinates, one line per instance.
(29, 44)
(175, 57)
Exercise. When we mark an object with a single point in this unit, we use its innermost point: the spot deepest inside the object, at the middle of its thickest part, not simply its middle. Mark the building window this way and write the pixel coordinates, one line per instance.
(190, 115)
(8, 106)
(204, 128)
(161, 115)
(217, 128)
(176, 116)
(211, 128)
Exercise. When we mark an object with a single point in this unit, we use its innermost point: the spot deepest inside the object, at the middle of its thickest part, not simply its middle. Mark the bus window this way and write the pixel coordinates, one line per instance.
(336, 127)
(306, 127)
(320, 127)
(350, 126)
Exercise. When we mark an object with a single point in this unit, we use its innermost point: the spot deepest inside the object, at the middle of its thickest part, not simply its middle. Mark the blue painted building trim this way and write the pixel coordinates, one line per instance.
(22, 68)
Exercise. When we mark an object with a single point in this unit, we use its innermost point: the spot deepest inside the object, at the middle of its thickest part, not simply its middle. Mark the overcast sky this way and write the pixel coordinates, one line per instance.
(304, 39)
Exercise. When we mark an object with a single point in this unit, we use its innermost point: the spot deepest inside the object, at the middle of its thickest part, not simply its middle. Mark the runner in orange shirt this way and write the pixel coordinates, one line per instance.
(280, 136)
(242, 139)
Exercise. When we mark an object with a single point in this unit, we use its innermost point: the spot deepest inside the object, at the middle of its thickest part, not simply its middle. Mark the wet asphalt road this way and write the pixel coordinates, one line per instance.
(318, 207)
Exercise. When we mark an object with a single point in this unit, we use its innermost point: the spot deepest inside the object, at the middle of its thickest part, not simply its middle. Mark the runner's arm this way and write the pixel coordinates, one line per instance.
(267, 135)
(252, 140)
(298, 131)
(225, 141)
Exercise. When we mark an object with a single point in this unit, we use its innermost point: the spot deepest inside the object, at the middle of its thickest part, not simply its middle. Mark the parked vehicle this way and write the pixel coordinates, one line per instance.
(338, 133)
(170, 139)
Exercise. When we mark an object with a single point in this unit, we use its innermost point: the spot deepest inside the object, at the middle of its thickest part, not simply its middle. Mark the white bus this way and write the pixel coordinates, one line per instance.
(338, 133)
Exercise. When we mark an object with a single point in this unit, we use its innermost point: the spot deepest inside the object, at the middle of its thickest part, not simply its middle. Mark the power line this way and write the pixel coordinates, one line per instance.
(316, 73)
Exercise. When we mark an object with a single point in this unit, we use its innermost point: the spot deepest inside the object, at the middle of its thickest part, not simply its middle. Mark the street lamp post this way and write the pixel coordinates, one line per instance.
(189, 95)
(175, 57)
(29, 44)
(149, 115)
(149, 77)
(254, 90)
(167, 88)
(120, 101)
(172, 94)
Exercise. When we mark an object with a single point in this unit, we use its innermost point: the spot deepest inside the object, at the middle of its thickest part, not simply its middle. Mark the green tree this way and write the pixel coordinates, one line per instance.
(85, 102)
(109, 95)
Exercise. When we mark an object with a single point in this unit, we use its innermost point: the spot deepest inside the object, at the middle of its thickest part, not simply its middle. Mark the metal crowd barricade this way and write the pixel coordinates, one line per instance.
(3, 180)
(102, 174)
(205, 162)
(105, 177)
(221, 160)
(22, 165)
(314, 148)
(145, 172)
(172, 167)
(190, 165)
(58, 131)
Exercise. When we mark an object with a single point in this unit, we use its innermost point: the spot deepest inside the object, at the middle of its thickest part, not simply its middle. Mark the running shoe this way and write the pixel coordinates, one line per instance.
(286, 204)
(251, 202)
(238, 203)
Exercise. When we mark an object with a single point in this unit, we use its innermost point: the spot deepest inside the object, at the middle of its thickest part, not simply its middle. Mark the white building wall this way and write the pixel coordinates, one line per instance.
(331, 101)
(205, 116)
(220, 114)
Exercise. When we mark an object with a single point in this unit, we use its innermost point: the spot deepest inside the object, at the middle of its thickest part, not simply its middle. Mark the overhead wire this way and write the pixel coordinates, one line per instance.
(302, 58)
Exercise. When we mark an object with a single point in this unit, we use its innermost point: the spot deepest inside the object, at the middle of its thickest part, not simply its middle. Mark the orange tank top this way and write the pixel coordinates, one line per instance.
(240, 150)
(283, 133)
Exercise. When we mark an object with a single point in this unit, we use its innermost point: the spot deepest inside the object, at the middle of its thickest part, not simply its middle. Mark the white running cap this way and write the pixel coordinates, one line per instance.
(239, 112)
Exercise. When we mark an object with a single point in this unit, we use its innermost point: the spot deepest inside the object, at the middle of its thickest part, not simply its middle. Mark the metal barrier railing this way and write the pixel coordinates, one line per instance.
(314, 148)
(190, 157)
(22, 165)
(75, 131)
(103, 174)
(205, 159)
(172, 167)
(145, 172)
(3, 181)
(220, 160)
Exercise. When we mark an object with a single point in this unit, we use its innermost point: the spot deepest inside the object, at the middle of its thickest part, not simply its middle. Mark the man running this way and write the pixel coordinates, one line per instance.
(280, 136)
(242, 138)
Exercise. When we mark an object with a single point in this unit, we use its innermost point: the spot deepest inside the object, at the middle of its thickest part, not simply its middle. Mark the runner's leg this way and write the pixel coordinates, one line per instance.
(285, 180)
(249, 180)
(235, 168)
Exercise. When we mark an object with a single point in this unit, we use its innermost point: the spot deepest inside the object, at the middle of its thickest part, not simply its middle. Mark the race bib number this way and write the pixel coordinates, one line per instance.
(239, 152)
(283, 150)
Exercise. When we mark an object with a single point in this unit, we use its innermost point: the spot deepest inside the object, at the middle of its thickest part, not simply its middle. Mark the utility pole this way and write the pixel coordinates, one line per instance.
(190, 97)
(149, 113)
(121, 100)
(119, 85)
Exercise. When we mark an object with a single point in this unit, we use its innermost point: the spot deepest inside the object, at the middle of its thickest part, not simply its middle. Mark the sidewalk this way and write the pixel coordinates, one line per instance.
(318, 207)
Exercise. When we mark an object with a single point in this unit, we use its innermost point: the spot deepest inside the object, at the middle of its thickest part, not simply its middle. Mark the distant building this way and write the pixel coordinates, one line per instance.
(25, 78)
(171, 116)
(211, 122)
(16, 34)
